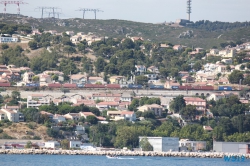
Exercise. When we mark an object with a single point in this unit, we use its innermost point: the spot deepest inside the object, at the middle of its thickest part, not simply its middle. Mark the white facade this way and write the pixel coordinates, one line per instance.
(75, 144)
(163, 144)
(52, 145)
(11, 115)
(231, 147)
(35, 101)
(8, 39)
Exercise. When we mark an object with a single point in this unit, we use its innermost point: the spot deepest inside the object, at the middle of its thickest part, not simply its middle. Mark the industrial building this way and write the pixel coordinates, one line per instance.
(232, 147)
(186, 144)
(163, 144)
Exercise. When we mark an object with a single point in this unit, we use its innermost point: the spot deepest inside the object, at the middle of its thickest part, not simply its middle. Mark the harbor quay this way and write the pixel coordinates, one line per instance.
(121, 153)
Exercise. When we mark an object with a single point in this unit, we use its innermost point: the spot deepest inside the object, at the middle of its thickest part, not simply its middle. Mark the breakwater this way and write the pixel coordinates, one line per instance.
(120, 153)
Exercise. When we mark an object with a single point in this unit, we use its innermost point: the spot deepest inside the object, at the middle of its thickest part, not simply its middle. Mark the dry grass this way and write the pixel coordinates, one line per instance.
(21, 130)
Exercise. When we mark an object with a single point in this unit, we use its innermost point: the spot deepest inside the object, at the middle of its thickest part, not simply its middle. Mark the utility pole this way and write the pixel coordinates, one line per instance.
(50, 10)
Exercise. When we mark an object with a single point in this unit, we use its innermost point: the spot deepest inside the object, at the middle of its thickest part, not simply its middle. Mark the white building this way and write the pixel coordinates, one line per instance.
(27, 76)
(231, 147)
(8, 39)
(11, 115)
(75, 144)
(122, 115)
(58, 118)
(36, 100)
(52, 145)
(163, 144)
(155, 108)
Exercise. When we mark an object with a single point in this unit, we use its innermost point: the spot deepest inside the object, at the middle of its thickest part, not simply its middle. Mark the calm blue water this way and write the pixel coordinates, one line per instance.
(49, 160)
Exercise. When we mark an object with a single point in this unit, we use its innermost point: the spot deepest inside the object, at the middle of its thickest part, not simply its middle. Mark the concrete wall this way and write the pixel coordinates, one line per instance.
(231, 147)
(163, 144)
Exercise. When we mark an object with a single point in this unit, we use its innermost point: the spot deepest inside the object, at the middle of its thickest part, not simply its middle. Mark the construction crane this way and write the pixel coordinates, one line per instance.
(89, 10)
(52, 10)
(96, 10)
(18, 3)
(84, 10)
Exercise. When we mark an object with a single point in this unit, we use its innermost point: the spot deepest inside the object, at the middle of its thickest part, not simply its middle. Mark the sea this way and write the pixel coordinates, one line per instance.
(75, 160)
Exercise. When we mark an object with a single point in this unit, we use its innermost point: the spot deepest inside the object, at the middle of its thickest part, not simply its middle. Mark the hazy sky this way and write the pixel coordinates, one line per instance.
(153, 11)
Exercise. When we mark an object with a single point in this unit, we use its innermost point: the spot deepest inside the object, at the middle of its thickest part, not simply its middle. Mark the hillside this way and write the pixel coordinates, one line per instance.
(26, 131)
(151, 32)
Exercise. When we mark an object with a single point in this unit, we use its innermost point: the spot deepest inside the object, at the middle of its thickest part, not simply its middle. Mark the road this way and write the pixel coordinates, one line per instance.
(150, 93)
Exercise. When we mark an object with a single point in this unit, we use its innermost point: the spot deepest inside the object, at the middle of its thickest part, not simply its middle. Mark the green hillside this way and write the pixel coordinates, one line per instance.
(151, 32)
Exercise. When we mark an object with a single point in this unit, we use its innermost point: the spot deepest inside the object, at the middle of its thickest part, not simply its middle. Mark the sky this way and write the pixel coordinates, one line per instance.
(148, 11)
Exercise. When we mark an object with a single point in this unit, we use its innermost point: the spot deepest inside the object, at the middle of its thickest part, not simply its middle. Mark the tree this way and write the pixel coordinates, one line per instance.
(145, 145)
(65, 144)
(81, 47)
(189, 112)
(28, 145)
(128, 44)
(242, 67)
(4, 46)
(178, 104)
(35, 78)
(197, 66)
(235, 77)
(100, 65)
(33, 45)
(69, 49)
(142, 80)
(15, 95)
(92, 119)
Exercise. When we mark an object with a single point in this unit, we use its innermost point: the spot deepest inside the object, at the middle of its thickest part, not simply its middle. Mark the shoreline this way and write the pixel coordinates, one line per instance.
(119, 153)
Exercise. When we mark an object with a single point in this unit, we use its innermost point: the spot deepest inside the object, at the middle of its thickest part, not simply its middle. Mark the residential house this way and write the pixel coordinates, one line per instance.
(107, 105)
(75, 39)
(12, 115)
(78, 79)
(95, 80)
(137, 39)
(27, 77)
(70, 33)
(188, 79)
(214, 51)
(220, 95)
(36, 100)
(72, 116)
(121, 115)
(151, 76)
(86, 114)
(117, 80)
(183, 73)
(126, 97)
(106, 97)
(52, 32)
(171, 85)
(58, 118)
(227, 61)
(198, 102)
(140, 69)
(45, 79)
(153, 69)
(163, 46)
(227, 53)
(222, 69)
(8, 39)
(155, 108)
(207, 128)
(49, 115)
(177, 47)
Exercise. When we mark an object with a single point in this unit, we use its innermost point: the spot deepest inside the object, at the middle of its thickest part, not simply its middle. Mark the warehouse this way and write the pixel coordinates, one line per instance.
(163, 144)
(232, 147)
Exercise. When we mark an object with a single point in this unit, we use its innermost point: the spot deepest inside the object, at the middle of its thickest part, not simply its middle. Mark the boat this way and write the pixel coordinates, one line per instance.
(112, 157)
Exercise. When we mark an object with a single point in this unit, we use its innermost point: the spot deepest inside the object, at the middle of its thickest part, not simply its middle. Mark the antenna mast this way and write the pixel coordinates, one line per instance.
(189, 8)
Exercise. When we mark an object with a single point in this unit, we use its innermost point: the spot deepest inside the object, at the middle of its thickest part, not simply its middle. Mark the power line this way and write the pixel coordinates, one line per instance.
(52, 10)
